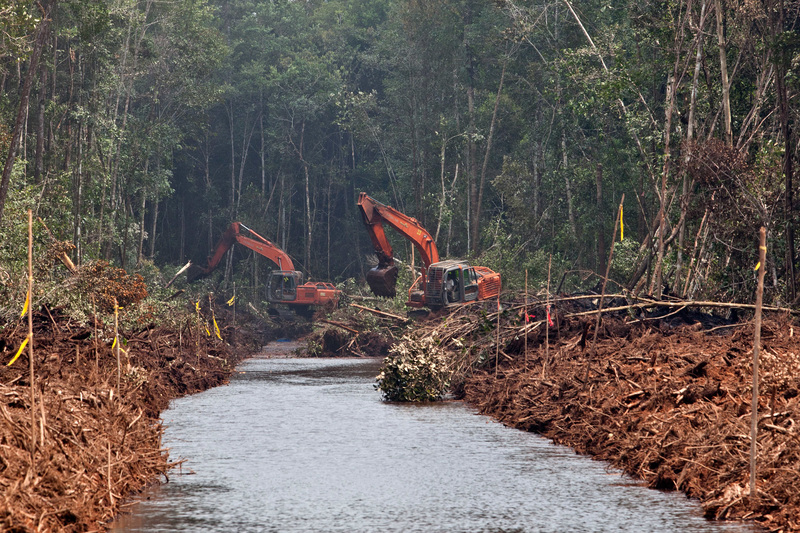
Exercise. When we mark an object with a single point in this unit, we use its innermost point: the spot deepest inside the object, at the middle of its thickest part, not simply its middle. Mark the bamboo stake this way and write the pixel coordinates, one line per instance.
(211, 308)
(116, 343)
(547, 319)
(603, 292)
(762, 259)
(30, 340)
(526, 319)
(96, 356)
(497, 341)
(198, 333)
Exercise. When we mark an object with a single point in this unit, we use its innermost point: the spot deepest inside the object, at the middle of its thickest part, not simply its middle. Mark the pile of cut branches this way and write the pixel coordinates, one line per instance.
(93, 442)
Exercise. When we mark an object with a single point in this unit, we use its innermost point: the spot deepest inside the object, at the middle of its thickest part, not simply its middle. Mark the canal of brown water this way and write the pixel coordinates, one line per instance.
(307, 445)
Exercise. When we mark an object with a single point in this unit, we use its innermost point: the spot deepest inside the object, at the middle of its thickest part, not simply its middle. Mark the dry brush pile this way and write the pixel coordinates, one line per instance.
(666, 400)
(95, 442)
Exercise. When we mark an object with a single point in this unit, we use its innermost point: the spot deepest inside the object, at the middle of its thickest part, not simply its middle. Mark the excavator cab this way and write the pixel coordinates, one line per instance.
(450, 283)
(283, 285)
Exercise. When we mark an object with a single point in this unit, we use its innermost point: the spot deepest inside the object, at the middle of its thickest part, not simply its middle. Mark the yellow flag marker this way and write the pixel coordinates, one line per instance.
(21, 347)
(230, 302)
(207, 331)
(197, 305)
(25, 307)
(216, 329)
(113, 344)
(621, 226)
(758, 265)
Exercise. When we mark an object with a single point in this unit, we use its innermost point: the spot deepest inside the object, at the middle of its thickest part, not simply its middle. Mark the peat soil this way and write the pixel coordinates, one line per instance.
(95, 427)
(667, 401)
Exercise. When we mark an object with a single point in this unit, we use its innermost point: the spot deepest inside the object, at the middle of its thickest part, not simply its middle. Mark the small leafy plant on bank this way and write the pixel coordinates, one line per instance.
(416, 371)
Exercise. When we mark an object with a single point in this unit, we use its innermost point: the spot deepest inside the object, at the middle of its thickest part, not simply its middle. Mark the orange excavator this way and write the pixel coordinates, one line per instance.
(442, 283)
(285, 284)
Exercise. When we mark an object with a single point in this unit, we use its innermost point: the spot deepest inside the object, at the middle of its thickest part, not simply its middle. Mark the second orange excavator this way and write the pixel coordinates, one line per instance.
(442, 283)
(285, 284)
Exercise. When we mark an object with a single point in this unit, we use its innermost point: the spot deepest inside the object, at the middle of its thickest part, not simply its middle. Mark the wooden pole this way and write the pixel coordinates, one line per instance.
(547, 319)
(96, 356)
(30, 340)
(497, 341)
(380, 313)
(211, 308)
(339, 325)
(116, 344)
(526, 319)
(762, 258)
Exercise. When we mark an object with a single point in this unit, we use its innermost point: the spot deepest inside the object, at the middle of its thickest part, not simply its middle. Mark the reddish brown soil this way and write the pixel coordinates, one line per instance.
(667, 404)
(95, 442)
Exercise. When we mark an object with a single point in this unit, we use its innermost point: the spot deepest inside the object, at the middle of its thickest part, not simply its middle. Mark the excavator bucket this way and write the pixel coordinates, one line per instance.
(383, 281)
(195, 272)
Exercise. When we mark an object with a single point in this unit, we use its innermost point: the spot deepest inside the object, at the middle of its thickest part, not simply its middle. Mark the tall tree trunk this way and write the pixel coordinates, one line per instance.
(686, 189)
(38, 166)
(723, 67)
(472, 163)
(787, 164)
(573, 225)
(601, 234)
(127, 78)
(262, 147)
(673, 82)
(142, 212)
(77, 204)
(153, 227)
(232, 206)
(536, 184)
(308, 200)
(41, 35)
(247, 136)
(657, 286)
(182, 253)
(489, 145)
(328, 229)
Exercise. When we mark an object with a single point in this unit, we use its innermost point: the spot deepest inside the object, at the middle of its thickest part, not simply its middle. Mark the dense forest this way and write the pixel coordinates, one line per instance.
(512, 130)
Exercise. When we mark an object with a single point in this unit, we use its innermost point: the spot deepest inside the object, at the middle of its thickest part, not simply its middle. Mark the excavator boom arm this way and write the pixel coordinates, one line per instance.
(256, 243)
(376, 214)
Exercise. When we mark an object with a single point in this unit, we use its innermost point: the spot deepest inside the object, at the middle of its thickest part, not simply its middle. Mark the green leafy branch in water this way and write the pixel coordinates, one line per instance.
(416, 371)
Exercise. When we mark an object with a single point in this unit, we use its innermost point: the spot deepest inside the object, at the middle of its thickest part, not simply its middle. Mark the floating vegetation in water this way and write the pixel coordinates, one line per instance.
(416, 371)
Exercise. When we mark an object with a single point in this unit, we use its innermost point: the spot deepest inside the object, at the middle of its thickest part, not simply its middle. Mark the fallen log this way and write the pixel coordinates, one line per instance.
(380, 313)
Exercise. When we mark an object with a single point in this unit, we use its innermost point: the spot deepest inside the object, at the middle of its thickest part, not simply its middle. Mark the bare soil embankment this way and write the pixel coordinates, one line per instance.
(663, 400)
(95, 442)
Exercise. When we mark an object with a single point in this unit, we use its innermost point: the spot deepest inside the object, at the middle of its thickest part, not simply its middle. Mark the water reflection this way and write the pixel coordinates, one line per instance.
(295, 445)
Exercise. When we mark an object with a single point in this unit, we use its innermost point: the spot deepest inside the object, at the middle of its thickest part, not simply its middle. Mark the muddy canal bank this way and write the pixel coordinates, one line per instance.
(665, 402)
(96, 431)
